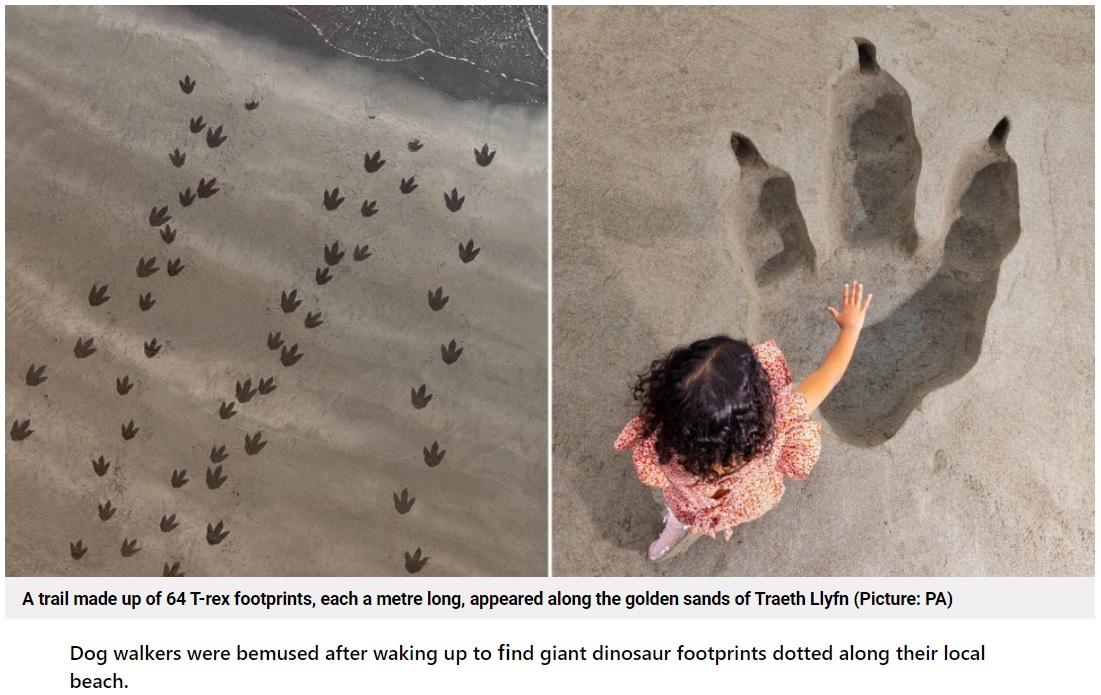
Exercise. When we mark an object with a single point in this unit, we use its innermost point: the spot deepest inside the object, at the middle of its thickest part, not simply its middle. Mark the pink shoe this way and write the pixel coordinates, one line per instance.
(672, 536)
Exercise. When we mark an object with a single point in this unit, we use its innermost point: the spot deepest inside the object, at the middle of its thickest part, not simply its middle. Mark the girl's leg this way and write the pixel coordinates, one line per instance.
(673, 533)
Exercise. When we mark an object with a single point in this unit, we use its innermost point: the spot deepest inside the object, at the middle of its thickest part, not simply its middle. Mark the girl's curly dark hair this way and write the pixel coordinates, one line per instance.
(710, 405)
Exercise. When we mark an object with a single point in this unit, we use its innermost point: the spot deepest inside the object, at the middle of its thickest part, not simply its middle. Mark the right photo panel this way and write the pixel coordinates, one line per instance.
(823, 291)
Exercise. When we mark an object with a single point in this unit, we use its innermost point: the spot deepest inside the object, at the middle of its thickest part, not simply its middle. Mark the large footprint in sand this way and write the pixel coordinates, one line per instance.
(932, 293)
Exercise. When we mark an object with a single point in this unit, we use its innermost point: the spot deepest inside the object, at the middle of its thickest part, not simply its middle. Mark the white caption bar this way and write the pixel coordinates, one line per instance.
(618, 597)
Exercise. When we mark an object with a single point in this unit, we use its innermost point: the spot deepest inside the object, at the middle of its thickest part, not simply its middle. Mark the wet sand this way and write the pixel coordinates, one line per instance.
(94, 109)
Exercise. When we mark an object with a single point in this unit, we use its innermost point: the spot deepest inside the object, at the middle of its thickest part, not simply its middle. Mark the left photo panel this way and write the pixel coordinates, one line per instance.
(276, 291)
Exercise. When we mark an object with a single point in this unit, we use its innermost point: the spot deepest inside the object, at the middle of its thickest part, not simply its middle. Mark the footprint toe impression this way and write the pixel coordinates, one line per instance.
(933, 333)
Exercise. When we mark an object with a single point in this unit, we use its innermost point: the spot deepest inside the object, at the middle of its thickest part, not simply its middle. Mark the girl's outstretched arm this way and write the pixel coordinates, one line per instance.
(851, 320)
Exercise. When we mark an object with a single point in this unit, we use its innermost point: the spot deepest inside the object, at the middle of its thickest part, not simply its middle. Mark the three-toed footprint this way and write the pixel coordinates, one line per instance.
(420, 397)
(454, 202)
(36, 375)
(929, 327)
(101, 466)
(434, 456)
(333, 199)
(436, 299)
(450, 352)
(372, 163)
(254, 444)
(415, 563)
(404, 503)
(484, 156)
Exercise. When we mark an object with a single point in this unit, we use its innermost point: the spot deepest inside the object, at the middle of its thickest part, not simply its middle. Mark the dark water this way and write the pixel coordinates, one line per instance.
(492, 53)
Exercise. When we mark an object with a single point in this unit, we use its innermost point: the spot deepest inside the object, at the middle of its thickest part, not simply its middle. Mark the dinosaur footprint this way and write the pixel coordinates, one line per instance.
(323, 275)
(404, 503)
(186, 197)
(168, 523)
(101, 466)
(414, 145)
(454, 202)
(372, 163)
(173, 571)
(98, 295)
(147, 267)
(77, 550)
(253, 444)
(205, 189)
(415, 563)
(187, 84)
(369, 208)
(434, 456)
(179, 478)
(129, 431)
(214, 477)
(84, 348)
(407, 185)
(275, 341)
(123, 385)
(484, 156)
(215, 534)
(168, 235)
(227, 410)
(251, 105)
(360, 253)
(436, 299)
(36, 375)
(333, 254)
(931, 330)
(450, 353)
(290, 355)
(130, 547)
(214, 137)
(21, 430)
(196, 125)
(177, 158)
(158, 217)
(245, 392)
(146, 301)
(106, 511)
(313, 319)
(175, 267)
(152, 348)
(266, 386)
(289, 302)
(468, 253)
(333, 199)
(420, 397)
(218, 454)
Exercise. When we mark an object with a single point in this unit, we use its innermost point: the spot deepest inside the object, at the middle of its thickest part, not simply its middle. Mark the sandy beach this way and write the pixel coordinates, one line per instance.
(967, 448)
(95, 108)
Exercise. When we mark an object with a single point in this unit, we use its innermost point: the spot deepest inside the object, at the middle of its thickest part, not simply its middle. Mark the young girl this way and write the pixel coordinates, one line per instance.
(720, 427)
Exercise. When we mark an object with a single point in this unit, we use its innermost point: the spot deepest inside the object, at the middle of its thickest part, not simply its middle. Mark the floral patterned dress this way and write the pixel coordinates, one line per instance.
(744, 495)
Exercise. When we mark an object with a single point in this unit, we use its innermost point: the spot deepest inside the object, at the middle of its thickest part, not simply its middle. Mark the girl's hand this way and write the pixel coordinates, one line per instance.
(853, 307)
